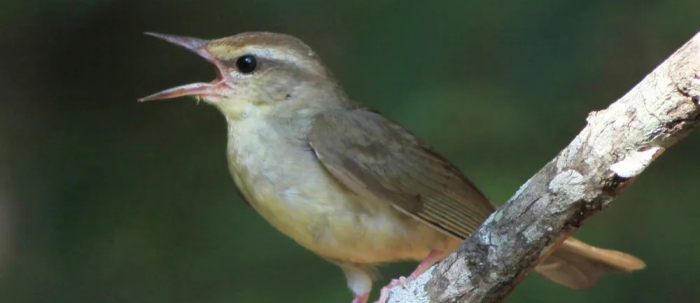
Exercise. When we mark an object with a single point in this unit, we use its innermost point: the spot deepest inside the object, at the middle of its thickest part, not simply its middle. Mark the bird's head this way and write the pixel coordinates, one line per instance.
(257, 72)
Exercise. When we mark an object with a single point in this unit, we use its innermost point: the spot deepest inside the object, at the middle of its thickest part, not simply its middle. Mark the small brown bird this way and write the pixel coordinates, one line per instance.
(344, 181)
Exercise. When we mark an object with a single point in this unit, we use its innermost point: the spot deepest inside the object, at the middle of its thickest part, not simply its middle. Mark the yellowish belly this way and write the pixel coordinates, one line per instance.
(308, 205)
(289, 187)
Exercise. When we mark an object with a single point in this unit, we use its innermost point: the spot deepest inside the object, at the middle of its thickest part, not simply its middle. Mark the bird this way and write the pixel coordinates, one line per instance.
(342, 180)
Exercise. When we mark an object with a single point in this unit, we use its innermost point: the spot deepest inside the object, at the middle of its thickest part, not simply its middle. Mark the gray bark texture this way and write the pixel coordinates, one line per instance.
(617, 144)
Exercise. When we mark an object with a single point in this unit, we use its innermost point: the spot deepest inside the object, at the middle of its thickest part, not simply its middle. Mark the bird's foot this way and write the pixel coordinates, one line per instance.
(386, 290)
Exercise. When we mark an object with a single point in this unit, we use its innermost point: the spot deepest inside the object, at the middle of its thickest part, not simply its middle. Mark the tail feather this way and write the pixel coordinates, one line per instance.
(578, 265)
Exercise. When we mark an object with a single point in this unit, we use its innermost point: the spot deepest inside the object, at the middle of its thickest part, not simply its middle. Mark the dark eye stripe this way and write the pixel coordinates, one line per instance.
(265, 63)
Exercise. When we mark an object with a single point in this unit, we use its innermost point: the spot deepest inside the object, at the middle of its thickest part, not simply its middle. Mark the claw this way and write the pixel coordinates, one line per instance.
(433, 257)
(386, 290)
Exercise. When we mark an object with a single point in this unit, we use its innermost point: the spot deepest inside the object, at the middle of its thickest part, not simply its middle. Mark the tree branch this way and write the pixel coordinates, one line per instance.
(602, 161)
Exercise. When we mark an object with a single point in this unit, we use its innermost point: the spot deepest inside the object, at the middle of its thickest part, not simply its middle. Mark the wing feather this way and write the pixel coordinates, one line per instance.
(378, 159)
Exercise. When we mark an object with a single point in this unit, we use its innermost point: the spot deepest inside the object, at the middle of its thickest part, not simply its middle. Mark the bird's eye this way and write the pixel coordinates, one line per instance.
(246, 64)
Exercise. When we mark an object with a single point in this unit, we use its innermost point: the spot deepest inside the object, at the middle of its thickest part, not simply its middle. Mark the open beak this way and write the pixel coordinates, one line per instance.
(197, 46)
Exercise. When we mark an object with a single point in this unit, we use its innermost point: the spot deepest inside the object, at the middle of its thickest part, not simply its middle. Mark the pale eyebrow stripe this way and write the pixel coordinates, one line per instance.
(302, 61)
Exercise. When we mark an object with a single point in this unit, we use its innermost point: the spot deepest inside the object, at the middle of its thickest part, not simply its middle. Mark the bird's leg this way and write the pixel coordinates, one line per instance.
(359, 281)
(432, 258)
(360, 298)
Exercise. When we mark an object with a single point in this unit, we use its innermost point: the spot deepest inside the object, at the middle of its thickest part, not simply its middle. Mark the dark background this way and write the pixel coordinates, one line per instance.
(103, 199)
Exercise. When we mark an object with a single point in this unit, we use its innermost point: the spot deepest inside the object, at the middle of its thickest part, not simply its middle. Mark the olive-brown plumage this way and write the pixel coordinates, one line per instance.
(341, 180)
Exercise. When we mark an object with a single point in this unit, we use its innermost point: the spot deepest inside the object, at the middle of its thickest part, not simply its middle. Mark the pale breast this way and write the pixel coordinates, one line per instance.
(290, 188)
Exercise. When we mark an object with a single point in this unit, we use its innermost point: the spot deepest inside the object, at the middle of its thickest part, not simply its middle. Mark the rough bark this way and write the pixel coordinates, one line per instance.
(600, 163)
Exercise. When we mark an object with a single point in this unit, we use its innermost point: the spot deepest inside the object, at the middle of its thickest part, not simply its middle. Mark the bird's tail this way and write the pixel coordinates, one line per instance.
(578, 265)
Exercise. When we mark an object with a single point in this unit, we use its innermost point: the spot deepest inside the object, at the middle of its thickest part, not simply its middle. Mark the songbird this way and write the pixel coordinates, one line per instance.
(342, 180)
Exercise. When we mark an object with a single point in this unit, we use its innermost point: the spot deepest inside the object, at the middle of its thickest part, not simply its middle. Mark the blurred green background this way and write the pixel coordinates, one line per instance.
(103, 199)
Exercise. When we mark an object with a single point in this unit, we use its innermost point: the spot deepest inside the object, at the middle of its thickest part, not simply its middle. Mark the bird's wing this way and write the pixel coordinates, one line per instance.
(379, 160)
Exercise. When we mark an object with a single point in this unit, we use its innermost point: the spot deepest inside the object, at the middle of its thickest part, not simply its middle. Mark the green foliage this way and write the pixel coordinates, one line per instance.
(118, 201)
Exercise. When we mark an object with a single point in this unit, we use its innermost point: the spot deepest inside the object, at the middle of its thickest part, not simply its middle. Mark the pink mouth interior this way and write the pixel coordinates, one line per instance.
(199, 89)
